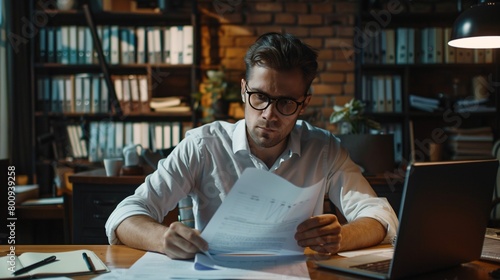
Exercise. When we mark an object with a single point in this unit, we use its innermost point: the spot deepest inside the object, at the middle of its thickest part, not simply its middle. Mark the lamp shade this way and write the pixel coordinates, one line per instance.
(477, 27)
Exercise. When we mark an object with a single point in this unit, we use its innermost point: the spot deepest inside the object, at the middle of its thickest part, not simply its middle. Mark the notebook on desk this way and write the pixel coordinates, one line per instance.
(443, 218)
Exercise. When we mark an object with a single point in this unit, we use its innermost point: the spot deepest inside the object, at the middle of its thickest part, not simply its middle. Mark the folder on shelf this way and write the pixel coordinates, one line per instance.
(411, 54)
(176, 133)
(82, 144)
(125, 106)
(449, 51)
(104, 95)
(137, 133)
(94, 142)
(166, 44)
(114, 47)
(124, 51)
(398, 96)
(127, 100)
(47, 84)
(51, 48)
(382, 45)
(110, 140)
(157, 51)
(432, 45)
(61, 93)
(87, 94)
(80, 30)
(79, 88)
(176, 44)
(132, 39)
(73, 44)
(69, 105)
(150, 45)
(479, 56)
(402, 45)
(157, 131)
(89, 48)
(424, 45)
(144, 137)
(167, 135)
(106, 42)
(96, 95)
(55, 99)
(63, 44)
(135, 98)
(187, 48)
(141, 44)
(391, 46)
(389, 107)
(58, 44)
(365, 92)
(75, 141)
(488, 56)
(119, 139)
(144, 94)
(439, 44)
(42, 45)
(129, 133)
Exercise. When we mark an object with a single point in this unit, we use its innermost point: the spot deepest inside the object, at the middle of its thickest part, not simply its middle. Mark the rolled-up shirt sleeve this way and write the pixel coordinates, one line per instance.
(353, 195)
(159, 194)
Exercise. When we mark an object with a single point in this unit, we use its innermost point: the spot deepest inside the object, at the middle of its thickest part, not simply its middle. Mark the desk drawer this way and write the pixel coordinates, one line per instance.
(98, 206)
(92, 206)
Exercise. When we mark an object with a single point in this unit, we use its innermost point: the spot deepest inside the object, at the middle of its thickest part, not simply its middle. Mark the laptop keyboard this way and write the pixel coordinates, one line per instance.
(381, 266)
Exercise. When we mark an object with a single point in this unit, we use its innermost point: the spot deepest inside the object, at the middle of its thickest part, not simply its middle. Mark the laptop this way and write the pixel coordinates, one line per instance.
(443, 217)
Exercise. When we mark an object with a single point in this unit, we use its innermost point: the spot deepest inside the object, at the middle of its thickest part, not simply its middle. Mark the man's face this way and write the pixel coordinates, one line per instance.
(268, 128)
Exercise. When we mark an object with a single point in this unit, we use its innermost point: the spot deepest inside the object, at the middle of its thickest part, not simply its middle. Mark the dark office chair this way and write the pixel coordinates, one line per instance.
(185, 206)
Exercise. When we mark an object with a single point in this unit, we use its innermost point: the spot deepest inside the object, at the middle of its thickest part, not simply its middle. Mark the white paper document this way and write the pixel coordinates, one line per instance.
(158, 266)
(250, 236)
(260, 215)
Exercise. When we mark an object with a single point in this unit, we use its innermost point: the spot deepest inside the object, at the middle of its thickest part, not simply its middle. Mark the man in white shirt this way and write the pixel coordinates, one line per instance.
(206, 164)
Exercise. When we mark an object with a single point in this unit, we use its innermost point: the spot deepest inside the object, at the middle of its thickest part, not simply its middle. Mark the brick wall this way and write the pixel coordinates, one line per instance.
(229, 27)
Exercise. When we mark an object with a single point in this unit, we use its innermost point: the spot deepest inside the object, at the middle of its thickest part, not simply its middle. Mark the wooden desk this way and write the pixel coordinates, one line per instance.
(119, 256)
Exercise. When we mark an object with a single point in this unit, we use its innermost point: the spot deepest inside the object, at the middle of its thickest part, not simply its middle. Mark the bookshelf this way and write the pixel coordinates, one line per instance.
(149, 54)
(414, 84)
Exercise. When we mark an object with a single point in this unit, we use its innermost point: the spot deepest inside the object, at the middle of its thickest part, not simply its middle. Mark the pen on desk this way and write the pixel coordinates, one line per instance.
(88, 261)
(35, 265)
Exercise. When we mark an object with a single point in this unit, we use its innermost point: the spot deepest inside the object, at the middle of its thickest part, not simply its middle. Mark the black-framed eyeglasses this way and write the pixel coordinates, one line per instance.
(260, 101)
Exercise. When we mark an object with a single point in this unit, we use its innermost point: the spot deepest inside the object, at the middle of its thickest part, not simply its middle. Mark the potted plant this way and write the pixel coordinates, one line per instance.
(351, 118)
(374, 153)
(214, 95)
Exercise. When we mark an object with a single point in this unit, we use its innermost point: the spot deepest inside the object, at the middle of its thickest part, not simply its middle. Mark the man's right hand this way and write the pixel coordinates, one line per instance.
(182, 242)
(177, 241)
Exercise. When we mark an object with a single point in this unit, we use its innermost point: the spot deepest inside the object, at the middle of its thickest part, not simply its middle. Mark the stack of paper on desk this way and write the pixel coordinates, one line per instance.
(251, 235)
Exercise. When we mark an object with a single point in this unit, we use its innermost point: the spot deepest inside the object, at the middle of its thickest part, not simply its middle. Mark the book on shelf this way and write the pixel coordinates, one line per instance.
(469, 143)
(473, 105)
(69, 263)
(173, 104)
(422, 103)
(161, 102)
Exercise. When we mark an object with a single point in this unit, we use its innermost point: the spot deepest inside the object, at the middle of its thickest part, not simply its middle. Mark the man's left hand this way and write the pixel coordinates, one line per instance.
(321, 233)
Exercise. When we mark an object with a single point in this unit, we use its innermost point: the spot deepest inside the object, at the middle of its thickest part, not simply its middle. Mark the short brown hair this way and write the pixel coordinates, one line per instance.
(282, 52)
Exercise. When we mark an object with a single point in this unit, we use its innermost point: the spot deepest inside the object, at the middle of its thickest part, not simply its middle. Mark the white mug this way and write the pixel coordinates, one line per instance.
(113, 166)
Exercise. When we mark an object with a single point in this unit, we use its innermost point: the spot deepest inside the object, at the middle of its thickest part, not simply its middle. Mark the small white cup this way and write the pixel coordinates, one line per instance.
(113, 166)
